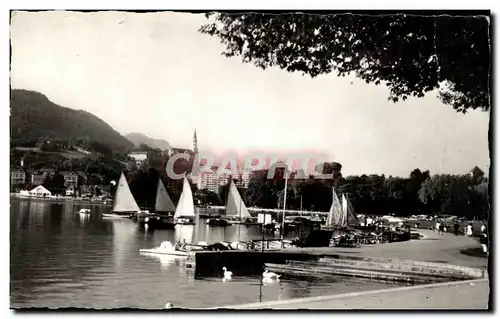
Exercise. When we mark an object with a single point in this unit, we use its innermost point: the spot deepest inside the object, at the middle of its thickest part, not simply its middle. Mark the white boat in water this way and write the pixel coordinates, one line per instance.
(184, 212)
(166, 248)
(124, 205)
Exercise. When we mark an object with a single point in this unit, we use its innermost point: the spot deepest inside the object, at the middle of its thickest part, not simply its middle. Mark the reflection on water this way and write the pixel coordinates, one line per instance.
(165, 260)
(60, 258)
(184, 233)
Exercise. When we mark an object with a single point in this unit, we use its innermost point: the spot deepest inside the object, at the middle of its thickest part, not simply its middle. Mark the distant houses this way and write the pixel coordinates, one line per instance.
(139, 157)
(75, 182)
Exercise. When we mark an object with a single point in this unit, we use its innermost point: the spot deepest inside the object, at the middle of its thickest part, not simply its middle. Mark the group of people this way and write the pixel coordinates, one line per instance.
(441, 228)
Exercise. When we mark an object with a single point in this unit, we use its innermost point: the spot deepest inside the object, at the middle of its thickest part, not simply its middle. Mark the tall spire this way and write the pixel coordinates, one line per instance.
(195, 143)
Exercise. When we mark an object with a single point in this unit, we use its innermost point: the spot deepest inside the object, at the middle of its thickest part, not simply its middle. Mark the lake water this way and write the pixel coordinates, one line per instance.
(58, 259)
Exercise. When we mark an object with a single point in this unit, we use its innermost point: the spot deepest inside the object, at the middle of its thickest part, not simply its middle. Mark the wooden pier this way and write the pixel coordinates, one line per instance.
(396, 271)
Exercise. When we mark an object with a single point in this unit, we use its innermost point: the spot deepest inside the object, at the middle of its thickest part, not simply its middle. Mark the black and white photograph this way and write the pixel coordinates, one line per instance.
(205, 160)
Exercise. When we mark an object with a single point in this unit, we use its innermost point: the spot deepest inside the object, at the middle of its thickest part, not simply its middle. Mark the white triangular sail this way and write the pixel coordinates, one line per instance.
(185, 206)
(336, 215)
(163, 201)
(124, 200)
(235, 205)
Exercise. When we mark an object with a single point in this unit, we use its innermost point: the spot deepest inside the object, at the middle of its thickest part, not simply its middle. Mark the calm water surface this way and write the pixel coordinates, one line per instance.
(59, 259)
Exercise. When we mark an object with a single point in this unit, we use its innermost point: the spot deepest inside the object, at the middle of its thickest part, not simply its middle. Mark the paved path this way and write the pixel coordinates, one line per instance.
(434, 248)
(472, 294)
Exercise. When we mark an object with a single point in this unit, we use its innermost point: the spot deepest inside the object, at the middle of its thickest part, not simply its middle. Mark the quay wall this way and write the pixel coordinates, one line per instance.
(241, 263)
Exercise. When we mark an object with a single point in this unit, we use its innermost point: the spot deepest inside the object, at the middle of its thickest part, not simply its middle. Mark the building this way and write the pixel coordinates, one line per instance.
(139, 157)
(70, 179)
(40, 191)
(38, 178)
(243, 178)
(17, 177)
(211, 181)
(70, 191)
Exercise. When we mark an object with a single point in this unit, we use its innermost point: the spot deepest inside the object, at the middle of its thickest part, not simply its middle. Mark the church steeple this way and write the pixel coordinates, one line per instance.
(195, 143)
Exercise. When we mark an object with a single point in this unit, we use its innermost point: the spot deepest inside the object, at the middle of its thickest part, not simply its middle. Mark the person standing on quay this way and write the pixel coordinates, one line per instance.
(441, 228)
(456, 226)
(469, 230)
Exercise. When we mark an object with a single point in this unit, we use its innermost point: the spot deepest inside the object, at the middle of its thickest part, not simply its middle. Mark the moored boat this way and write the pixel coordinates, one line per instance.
(236, 210)
(124, 205)
(184, 212)
(181, 249)
(162, 218)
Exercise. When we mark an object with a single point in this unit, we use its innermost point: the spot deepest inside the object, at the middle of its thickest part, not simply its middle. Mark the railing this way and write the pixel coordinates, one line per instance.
(267, 244)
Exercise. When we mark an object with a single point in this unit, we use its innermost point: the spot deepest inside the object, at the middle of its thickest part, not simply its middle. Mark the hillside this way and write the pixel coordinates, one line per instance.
(33, 117)
(138, 139)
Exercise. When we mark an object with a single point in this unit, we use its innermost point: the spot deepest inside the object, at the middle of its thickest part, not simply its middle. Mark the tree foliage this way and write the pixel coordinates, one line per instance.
(420, 193)
(411, 54)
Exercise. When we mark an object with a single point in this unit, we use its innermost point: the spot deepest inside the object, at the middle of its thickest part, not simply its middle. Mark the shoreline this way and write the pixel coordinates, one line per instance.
(60, 200)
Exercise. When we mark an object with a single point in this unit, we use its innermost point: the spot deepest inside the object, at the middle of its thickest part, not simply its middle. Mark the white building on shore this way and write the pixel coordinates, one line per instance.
(40, 191)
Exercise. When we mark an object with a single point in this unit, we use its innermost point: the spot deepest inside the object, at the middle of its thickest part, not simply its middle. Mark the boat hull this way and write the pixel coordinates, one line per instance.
(218, 223)
(116, 216)
(155, 220)
(184, 221)
(164, 252)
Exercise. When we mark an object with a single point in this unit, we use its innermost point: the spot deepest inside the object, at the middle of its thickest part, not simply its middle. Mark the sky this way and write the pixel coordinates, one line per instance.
(155, 74)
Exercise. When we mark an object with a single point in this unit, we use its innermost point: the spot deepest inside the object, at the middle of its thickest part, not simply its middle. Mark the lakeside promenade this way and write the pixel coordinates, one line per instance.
(471, 294)
(432, 247)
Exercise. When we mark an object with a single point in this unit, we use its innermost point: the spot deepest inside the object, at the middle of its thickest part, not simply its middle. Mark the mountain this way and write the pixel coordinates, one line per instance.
(138, 139)
(33, 117)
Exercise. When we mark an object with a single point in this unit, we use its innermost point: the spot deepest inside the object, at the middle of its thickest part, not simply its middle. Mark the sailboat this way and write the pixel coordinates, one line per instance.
(164, 209)
(124, 205)
(236, 211)
(339, 215)
(184, 213)
(235, 207)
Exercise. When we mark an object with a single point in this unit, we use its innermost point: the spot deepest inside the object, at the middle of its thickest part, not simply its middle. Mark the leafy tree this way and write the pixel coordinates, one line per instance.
(55, 183)
(412, 54)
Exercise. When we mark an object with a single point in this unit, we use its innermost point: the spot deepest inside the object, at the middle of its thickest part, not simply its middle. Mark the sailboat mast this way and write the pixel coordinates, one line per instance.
(284, 208)
(239, 225)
